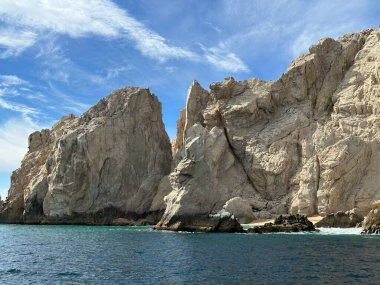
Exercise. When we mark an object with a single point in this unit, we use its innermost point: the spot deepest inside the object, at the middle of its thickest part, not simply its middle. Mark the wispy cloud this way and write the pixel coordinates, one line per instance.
(114, 72)
(81, 18)
(11, 80)
(13, 86)
(110, 73)
(213, 27)
(85, 18)
(16, 107)
(328, 19)
(15, 41)
(224, 60)
(289, 27)
(70, 104)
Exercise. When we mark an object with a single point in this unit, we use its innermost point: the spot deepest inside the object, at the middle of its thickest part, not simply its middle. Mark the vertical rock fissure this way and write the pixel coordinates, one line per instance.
(238, 159)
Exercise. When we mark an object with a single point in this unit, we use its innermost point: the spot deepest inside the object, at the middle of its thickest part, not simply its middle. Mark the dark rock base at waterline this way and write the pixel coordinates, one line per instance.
(285, 224)
(221, 221)
(107, 217)
(372, 230)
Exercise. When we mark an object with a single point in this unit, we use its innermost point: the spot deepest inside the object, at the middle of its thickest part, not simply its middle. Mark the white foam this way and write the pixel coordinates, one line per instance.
(340, 231)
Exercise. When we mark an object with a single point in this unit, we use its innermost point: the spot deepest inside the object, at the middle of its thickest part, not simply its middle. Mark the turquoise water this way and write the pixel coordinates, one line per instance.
(139, 255)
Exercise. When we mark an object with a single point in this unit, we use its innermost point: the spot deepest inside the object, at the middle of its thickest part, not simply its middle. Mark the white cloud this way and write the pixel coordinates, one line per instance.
(16, 107)
(224, 60)
(13, 42)
(114, 72)
(80, 18)
(71, 104)
(14, 141)
(84, 18)
(13, 86)
(11, 80)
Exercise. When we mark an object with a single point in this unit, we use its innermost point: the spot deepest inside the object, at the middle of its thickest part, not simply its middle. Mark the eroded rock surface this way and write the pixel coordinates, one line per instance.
(105, 165)
(348, 219)
(371, 224)
(307, 143)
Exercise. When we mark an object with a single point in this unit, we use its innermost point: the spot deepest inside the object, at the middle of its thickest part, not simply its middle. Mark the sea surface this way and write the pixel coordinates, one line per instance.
(140, 255)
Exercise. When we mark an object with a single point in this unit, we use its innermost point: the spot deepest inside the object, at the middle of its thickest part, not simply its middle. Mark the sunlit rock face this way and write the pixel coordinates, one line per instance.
(307, 143)
(92, 169)
(371, 224)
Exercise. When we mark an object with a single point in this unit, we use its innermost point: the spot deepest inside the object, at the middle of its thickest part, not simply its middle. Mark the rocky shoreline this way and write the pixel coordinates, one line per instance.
(306, 144)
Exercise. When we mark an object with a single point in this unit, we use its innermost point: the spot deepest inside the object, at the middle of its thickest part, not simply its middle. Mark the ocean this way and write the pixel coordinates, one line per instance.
(38, 254)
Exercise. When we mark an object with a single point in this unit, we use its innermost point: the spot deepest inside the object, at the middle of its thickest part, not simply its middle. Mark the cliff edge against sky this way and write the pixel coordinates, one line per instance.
(307, 143)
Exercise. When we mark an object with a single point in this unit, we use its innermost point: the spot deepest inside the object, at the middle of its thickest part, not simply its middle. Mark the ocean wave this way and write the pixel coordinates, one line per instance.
(340, 231)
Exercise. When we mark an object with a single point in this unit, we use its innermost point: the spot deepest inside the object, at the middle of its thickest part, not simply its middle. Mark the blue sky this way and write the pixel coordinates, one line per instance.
(59, 57)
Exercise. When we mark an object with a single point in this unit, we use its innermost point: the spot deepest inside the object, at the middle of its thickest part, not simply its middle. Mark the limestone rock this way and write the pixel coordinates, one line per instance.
(348, 219)
(307, 143)
(203, 181)
(371, 224)
(95, 168)
(196, 102)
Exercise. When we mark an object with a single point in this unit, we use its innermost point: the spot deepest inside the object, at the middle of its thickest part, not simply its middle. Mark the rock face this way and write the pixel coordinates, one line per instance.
(348, 219)
(285, 224)
(307, 143)
(106, 164)
(371, 224)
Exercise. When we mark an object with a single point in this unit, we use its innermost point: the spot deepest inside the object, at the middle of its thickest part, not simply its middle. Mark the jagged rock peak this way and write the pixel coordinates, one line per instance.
(307, 143)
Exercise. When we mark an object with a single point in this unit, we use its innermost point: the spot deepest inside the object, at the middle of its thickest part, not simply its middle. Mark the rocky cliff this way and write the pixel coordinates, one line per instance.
(103, 166)
(307, 143)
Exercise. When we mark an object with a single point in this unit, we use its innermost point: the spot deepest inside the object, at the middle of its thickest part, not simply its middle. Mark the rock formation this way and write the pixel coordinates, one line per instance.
(348, 219)
(307, 143)
(285, 224)
(371, 224)
(105, 165)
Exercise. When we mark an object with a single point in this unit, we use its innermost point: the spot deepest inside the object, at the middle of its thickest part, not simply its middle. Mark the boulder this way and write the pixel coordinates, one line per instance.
(348, 219)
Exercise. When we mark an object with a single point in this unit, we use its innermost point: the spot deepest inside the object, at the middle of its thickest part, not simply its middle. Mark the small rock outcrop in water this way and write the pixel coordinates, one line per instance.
(371, 224)
(285, 223)
(105, 165)
(221, 221)
(348, 219)
(307, 143)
